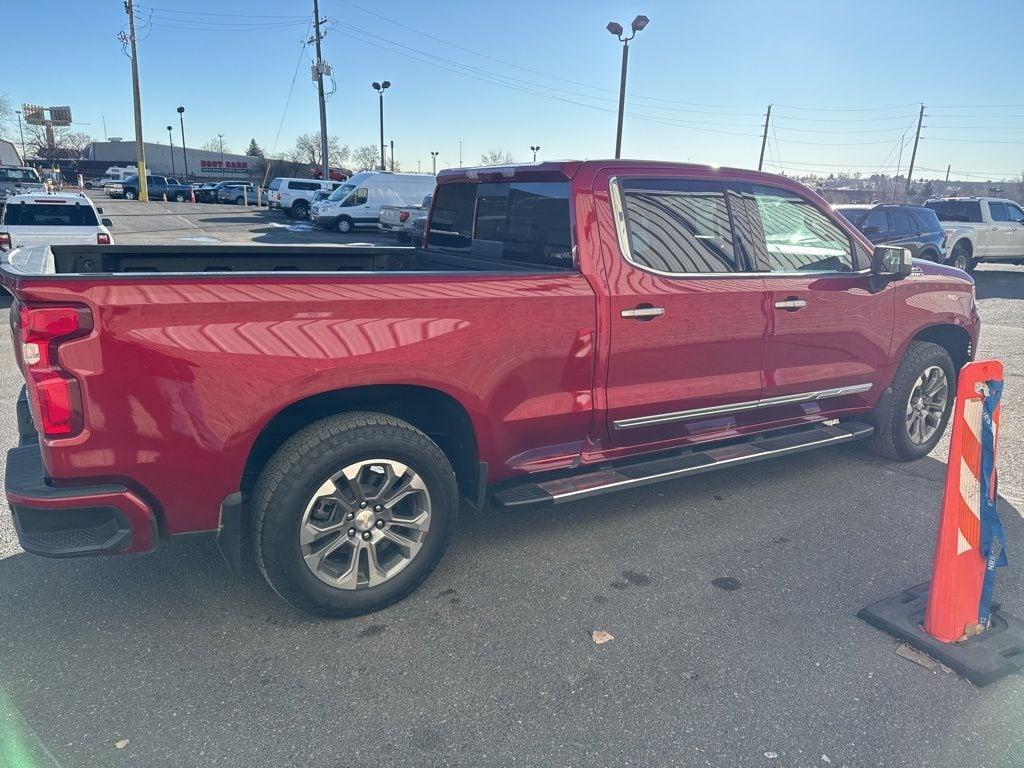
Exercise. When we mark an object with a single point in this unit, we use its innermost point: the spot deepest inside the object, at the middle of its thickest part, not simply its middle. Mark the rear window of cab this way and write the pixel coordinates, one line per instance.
(48, 215)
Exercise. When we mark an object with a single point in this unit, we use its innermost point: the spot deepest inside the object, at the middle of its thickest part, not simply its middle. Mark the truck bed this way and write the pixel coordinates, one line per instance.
(94, 260)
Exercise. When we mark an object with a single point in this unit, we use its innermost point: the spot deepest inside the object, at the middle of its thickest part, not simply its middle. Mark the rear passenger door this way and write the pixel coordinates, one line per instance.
(1016, 216)
(903, 226)
(687, 320)
(830, 323)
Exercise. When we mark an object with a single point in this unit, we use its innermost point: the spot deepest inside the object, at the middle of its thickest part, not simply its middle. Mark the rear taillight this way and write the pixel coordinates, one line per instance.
(403, 216)
(53, 392)
(102, 238)
(5, 240)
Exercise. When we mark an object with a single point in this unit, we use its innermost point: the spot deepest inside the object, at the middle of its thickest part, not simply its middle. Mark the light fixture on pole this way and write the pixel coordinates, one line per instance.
(535, 148)
(184, 151)
(433, 159)
(380, 88)
(616, 29)
(170, 138)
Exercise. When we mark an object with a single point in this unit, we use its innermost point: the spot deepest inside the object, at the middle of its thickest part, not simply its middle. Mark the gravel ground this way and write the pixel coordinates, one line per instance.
(731, 598)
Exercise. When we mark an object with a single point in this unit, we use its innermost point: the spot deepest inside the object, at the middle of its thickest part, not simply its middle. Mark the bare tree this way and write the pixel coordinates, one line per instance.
(366, 158)
(6, 115)
(496, 157)
(214, 145)
(67, 144)
(307, 150)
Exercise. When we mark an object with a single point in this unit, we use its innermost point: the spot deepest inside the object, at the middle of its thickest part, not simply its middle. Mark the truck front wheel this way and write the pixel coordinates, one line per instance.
(353, 513)
(912, 414)
(344, 225)
(961, 257)
(129, 195)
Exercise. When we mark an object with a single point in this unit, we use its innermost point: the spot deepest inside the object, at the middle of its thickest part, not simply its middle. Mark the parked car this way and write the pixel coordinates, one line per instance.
(981, 229)
(207, 191)
(239, 193)
(55, 219)
(358, 202)
(157, 186)
(419, 224)
(563, 333)
(910, 226)
(295, 196)
(399, 219)
(18, 180)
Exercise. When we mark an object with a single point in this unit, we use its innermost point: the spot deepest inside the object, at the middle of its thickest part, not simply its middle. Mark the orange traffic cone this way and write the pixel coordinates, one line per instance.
(958, 571)
(165, 197)
(192, 193)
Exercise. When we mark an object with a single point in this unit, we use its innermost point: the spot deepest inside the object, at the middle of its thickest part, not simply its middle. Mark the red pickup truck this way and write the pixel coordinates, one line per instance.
(568, 329)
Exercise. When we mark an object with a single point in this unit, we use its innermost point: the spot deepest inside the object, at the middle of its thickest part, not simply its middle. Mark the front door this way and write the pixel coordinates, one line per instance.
(831, 322)
(1016, 223)
(687, 320)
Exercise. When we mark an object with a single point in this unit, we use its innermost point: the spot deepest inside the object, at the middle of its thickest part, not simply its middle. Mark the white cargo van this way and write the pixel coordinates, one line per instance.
(357, 202)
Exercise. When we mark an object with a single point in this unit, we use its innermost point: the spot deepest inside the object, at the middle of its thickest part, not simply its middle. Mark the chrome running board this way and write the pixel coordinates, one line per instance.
(678, 465)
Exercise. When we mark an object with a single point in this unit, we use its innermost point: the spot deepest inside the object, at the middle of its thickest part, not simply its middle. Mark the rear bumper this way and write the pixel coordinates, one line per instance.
(76, 521)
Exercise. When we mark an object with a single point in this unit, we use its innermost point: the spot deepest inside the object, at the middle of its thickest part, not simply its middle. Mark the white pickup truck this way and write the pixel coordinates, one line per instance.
(399, 219)
(981, 229)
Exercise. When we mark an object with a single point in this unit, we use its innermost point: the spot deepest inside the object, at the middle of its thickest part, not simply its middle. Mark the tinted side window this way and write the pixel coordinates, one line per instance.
(957, 210)
(275, 184)
(798, 237)
(901, 220)
(876, 219)
(1015, 213)
(927, 221)
(306, 186)
(998, 212)
(522, 222)
(677, 225)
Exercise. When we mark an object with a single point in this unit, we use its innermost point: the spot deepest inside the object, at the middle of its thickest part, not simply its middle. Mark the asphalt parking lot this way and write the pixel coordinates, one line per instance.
(731, 598)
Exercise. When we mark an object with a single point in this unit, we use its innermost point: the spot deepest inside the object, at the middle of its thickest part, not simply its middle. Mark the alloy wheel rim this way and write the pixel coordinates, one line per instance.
(927, 404)
(365, 524)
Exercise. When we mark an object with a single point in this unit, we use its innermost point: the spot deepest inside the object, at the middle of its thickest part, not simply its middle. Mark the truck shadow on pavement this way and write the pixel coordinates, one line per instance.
(171, 643)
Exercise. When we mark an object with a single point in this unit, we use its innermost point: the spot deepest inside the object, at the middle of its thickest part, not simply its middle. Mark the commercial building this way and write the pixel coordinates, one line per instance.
(202, 164)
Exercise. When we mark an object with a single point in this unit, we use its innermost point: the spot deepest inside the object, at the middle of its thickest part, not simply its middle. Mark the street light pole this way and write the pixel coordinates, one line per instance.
(21, 130)
(534, 149)
(170, 138)
(616, 29)
(220, 137)
(433, 159)
(184, 149)
(380, 88)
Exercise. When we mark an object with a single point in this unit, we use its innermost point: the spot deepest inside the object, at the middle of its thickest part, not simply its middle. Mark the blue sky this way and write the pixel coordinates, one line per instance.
(845, 77)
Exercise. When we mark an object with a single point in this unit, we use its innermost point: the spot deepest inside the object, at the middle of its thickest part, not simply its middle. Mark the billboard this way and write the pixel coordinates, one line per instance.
(36, 115)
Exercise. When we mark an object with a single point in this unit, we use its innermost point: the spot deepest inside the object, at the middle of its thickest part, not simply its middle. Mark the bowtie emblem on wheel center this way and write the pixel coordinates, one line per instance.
(365, 519)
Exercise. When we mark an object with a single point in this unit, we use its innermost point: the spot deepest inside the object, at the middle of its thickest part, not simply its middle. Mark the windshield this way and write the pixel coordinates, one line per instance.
(956, 210)
(49, 215)
(19, 174)
(341, 192)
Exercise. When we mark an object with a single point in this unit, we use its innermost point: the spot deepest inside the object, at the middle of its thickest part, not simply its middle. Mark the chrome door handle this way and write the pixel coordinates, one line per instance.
(643, 312)
(791, 305)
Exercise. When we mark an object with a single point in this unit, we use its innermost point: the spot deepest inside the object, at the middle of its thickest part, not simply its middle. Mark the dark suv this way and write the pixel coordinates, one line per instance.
(911, 226)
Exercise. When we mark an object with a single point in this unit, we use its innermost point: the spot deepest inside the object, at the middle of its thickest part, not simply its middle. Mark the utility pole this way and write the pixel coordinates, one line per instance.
(140, 149)
(392, 155)
(324, 160)
(460, 153)
(433, 159)
(764, 138)
(913, 154)
(947, 172)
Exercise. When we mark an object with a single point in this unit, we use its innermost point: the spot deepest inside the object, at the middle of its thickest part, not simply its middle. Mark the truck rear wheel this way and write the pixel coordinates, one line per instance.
(353, 513)
(912, 414)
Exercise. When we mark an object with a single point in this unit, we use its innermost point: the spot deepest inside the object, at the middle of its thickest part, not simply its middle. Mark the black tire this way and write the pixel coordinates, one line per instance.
(961, 256)
(300, 209)
(404, 238)
(930, 254)
(129, 195)
(344, 225)
(301, 465)
(239, 200)
(179, 197)
(892, 439)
